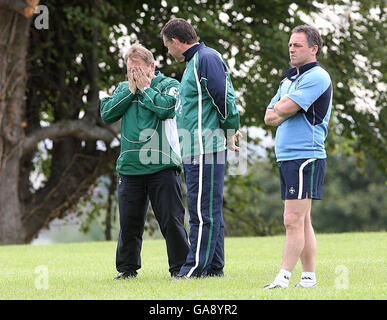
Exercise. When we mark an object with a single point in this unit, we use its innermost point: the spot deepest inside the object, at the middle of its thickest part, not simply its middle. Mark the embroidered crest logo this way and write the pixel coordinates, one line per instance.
(292, 190)
(287, 83)
(173, 92)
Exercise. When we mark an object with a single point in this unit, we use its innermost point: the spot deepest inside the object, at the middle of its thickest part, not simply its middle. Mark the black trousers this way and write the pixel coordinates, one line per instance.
(163, 190)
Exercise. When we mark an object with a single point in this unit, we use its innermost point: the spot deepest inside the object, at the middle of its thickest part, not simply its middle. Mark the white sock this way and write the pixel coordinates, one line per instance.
(283, 278)
(308, 278)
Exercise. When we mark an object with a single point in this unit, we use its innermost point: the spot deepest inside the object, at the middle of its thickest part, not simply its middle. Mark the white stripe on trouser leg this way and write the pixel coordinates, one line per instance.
(198, 204)
(301, 177)
(199, 212)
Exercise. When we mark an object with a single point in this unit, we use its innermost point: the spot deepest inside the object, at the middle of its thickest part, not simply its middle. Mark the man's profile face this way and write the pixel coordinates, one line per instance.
(299, 51)
(173, 49)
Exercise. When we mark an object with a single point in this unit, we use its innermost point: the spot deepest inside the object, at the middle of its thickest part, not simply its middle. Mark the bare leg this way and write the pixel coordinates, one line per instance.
(294, 219)
(308, 254)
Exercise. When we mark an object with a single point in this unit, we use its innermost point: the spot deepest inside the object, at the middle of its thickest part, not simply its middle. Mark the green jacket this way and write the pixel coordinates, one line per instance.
(149, 140)
(206, 111)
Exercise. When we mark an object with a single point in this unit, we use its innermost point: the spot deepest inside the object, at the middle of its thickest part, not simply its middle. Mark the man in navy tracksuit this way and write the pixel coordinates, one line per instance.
(207, 117)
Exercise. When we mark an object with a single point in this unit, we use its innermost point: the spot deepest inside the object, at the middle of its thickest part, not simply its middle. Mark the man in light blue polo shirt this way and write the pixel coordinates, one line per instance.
(301, 110)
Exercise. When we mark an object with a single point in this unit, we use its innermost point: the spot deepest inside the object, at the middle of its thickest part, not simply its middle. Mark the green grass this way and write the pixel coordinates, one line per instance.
(86, 270)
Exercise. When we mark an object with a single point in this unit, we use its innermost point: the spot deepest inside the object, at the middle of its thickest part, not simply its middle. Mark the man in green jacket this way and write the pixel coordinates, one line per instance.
(149, 164)
(206, 115)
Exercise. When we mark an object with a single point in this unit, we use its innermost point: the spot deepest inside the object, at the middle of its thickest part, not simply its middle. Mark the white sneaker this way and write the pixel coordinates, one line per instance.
(303, 285)
(308, 280)
(281, 281)
(274, 285)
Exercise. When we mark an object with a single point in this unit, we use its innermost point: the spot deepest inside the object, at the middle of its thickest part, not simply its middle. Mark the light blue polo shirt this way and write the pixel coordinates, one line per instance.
(302, 136)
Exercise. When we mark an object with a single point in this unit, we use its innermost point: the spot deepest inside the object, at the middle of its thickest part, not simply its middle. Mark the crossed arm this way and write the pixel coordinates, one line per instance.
(281, 111)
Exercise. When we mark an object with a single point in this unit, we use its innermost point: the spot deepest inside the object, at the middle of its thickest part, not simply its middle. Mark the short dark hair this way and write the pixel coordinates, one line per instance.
(179, 29)
(312, 35)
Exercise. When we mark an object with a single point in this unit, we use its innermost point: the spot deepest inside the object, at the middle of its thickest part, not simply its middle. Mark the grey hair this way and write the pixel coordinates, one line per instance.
(137, 51)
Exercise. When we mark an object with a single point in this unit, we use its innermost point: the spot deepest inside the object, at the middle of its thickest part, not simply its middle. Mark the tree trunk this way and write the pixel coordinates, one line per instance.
(14, 34)
(110, 207)
(76, 162)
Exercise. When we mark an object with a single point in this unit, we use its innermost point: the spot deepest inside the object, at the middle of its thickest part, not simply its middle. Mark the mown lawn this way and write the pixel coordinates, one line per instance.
(349, 266)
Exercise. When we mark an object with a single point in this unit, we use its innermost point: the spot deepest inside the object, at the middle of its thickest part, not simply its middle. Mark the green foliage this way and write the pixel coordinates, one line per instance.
(353, 199)
(252, 201)
(93, 211)
(42, 163)
(94, 207)
(356, 62)
(252, 36)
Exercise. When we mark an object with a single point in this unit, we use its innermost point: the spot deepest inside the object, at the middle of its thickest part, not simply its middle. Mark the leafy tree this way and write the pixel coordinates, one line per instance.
(353, 199)
(252, 204)
(50, 81)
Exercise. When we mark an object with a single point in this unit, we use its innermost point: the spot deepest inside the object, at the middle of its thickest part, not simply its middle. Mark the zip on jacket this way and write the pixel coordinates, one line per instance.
(206, 107)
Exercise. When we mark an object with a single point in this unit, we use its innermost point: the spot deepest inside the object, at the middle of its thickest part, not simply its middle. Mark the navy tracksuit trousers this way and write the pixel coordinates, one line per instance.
(204, 176)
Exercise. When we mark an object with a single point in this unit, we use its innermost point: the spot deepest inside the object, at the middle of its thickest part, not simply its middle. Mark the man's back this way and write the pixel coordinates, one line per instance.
(206, 106)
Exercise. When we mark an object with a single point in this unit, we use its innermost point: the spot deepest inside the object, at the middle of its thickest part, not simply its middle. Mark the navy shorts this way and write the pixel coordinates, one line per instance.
(302, 178)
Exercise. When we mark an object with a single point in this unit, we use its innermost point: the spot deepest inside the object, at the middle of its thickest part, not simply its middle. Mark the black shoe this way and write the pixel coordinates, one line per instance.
(213, 273)
(179, 276)
(126, 275)
(174, 274)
